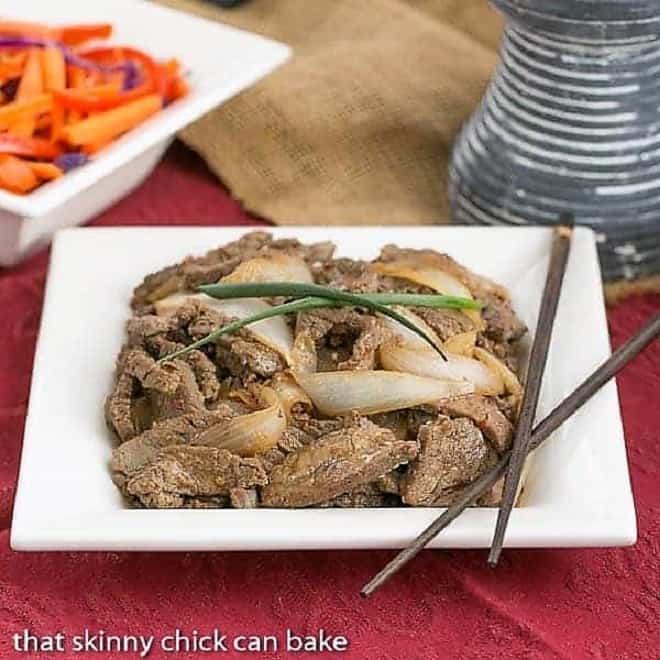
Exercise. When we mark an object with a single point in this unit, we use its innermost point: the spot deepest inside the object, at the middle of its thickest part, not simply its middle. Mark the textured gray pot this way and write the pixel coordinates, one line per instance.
(571, 122)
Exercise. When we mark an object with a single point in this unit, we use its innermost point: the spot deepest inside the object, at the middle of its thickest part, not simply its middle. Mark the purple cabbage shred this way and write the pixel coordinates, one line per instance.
(69, 56)
(132, 77)
(70, 160)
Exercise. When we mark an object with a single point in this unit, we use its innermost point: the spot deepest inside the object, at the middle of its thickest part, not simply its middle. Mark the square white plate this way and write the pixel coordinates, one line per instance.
(219, 62)
(577, 492)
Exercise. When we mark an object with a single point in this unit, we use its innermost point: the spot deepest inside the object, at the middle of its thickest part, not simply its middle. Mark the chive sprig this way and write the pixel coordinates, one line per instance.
(315, 296)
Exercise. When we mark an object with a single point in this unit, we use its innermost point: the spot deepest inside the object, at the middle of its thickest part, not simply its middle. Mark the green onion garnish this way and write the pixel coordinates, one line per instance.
(314, 296)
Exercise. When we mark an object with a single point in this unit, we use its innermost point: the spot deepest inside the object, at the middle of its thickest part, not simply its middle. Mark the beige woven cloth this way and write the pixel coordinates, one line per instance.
(357, 127)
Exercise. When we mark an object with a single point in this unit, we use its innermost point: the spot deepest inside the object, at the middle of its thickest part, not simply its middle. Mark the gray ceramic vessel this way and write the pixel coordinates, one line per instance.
(571, 122)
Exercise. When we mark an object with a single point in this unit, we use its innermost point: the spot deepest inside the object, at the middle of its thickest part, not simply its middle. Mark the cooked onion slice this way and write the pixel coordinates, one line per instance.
(369, 392)
(423, 362)
(405, 335)
(430, 275)
(273, 267)
(510, 380)
(426, 275)
(461, 344)
(251, 434)
(273, 332)
(289, 392)
(304, 357)
(407, 353)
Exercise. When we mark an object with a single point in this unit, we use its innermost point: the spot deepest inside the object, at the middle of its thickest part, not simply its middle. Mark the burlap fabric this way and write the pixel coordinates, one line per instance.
(357, 127)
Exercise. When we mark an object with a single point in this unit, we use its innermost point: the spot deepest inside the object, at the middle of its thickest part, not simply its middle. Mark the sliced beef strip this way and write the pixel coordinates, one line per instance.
(164, 378)
(491, 498)
(359, 277)
(365, 496)
(244, 498)
(485, 413)
(186, 399)
(206, 374)
(144, 448)
(396, 421)
(445, 322)
(494, 496)
(419, 416)
(193, 471)
(141, 329)
(339, 462)
(508, 406)
(217, 502)
(269, 459)
(315, 427)
(249, 360)
(347, 274)
(118, 408)
(129, 407)
(365, 349)
(239, 353)
(502, 323)
(349, 333)
(219, 262)
(154, 335)
(405, 424)
(389, 483)
(452, 454)
(292, 439)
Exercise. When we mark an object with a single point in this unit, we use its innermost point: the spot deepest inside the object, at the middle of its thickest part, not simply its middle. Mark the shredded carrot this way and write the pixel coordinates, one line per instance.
(31, 85)
(57, 116)
(73, 35)
(94, 147)
(16, 175)
(54, 69)
(112, 123)
(76, 78)
(25, 29)
(50, 105)
(46, 171)
(32, 82)
(16, 110)
(11, 66)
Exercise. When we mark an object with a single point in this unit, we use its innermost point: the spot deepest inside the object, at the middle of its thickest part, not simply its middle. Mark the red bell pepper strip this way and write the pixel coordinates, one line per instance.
(72, 35)
(91, 99)
(155, 78)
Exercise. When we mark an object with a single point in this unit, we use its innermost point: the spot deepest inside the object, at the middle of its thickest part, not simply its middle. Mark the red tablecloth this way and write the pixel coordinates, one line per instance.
(539, 604)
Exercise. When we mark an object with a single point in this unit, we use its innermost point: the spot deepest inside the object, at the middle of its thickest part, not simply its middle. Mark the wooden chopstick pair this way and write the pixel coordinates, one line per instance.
(554, 420)
(538, 358)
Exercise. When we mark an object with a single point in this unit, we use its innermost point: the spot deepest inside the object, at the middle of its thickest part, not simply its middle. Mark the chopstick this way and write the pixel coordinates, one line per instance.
(561, 247)
(573, 402)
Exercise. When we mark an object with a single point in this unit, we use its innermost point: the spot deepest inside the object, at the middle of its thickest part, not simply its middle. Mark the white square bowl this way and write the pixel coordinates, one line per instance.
(219, 60)
(577, 492)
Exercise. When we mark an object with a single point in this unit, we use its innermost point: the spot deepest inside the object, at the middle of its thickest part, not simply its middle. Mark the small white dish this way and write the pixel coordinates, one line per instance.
(577, 492)
(220, 62)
